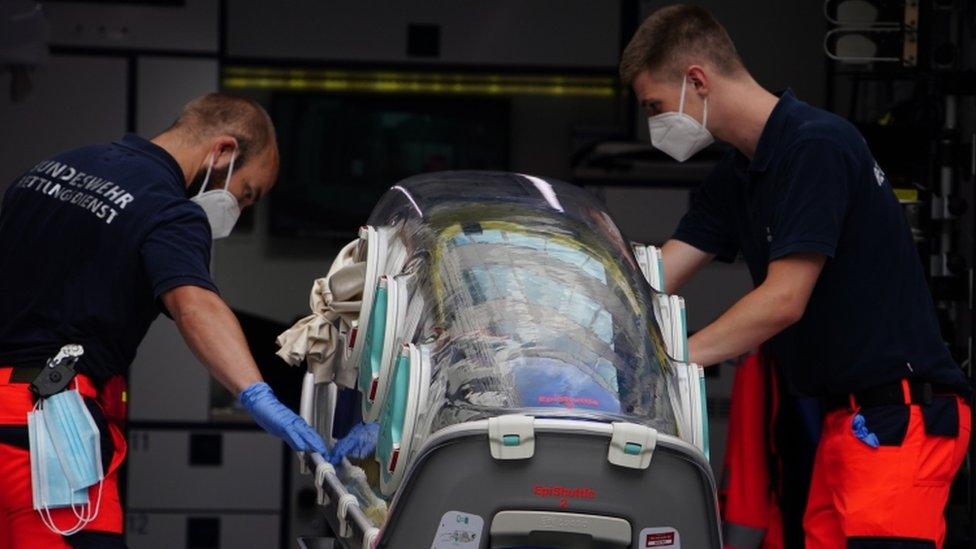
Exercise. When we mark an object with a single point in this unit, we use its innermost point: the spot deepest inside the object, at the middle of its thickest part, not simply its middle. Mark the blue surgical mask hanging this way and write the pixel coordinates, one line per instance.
(49, 483)
(66, 459)
(75, 437)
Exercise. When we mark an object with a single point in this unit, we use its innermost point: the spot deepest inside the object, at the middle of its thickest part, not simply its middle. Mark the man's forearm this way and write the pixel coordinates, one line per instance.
(214, 335)
(764, 312)
(681, 262)
(758, 316)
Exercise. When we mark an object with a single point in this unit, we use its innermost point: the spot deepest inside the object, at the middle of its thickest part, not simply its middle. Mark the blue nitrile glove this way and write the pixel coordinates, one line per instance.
(358, 443)
(860, 430)
(275, 418)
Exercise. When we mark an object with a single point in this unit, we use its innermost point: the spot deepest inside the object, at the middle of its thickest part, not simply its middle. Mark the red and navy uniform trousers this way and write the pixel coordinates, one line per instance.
(894, 495)
(20, 525)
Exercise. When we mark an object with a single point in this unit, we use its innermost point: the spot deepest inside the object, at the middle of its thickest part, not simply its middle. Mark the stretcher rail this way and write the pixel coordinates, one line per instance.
(351, 526)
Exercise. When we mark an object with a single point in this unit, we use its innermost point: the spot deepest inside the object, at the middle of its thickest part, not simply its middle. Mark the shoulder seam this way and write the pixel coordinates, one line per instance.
(817, 138)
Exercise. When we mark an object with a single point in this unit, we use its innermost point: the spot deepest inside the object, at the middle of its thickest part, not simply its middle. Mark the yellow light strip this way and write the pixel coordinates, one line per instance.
(419, 76)
(416, 83)
(907, 195)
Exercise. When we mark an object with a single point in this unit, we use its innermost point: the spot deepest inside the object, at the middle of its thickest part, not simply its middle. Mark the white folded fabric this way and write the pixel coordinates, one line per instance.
(315, 338)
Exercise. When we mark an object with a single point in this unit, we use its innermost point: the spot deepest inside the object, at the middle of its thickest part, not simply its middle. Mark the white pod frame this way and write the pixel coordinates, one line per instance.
(376, 244)
(651, 264)
(397, 299)
(418, 386)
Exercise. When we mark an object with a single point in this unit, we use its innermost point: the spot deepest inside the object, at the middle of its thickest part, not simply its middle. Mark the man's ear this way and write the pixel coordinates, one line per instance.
(698, 78)
(222, 148)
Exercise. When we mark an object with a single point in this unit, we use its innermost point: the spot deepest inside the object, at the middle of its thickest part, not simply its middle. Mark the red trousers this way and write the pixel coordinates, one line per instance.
(751, 517)
(20, 525)
(864, 495)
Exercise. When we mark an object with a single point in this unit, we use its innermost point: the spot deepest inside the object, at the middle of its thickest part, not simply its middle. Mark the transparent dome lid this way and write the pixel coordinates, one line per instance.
(526, 299)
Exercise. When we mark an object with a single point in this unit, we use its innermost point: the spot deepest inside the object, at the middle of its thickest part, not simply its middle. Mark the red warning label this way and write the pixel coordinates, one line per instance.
(660, 537)
(659, 540)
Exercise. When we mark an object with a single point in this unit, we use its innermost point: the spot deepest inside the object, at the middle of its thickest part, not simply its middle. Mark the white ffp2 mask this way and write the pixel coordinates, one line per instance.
(220, 205)
(678, 134)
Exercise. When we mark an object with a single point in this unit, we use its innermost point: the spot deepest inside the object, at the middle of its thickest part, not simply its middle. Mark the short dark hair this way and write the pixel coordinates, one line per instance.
(223, 113)
(677, 35)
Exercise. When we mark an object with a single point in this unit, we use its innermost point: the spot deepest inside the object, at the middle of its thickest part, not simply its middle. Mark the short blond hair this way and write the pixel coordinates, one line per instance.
(674, 37)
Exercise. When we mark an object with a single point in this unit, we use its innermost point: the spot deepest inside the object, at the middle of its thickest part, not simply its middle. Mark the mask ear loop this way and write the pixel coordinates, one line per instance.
(87, 512)
(705, 115)
(206, 178)
(681, 102)
(48, 521)
(230, 170)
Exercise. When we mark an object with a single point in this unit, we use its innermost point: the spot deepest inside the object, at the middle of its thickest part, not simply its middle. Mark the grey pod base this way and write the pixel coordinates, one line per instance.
(569, 473)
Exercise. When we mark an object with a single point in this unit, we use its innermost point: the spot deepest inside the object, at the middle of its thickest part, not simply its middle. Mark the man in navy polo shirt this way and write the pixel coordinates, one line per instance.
(840, 297)
(94, 243)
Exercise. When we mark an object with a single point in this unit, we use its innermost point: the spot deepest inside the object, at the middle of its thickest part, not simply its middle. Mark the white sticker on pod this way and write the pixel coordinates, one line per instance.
(659, 537)
(458, 529)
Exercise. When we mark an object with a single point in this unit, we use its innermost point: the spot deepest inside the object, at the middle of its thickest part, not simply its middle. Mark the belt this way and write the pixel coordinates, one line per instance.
(919, 392)
(26, 374)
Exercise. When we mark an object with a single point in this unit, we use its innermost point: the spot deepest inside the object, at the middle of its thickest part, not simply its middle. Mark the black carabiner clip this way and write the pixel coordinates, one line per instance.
(57, 372)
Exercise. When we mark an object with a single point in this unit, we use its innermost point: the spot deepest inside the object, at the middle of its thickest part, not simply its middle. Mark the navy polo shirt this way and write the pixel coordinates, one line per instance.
(813, 186)
(89, 240)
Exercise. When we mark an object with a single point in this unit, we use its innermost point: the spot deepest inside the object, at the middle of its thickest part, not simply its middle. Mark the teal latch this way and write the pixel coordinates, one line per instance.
(511, 440)
(632, 448)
